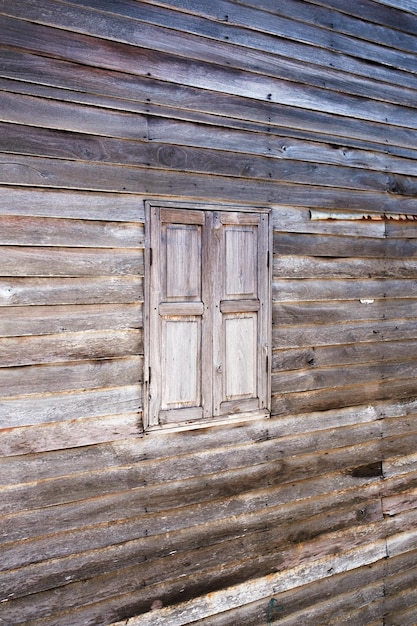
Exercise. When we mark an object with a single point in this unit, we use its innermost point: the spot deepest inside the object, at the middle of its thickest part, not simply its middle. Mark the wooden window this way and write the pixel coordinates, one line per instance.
(207, 314)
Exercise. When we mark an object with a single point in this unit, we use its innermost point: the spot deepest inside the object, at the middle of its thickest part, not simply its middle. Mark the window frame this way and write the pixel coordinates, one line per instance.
(149, 336)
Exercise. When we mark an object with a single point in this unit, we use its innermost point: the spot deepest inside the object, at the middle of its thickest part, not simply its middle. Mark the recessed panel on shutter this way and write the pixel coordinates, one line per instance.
(182, 261)
(240, 349)
(240, 261)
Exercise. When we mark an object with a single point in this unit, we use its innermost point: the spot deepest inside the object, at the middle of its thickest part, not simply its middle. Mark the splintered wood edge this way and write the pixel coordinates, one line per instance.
(372, 217)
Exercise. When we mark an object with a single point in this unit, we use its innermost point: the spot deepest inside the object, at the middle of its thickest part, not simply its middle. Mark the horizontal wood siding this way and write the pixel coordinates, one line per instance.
(307, 517)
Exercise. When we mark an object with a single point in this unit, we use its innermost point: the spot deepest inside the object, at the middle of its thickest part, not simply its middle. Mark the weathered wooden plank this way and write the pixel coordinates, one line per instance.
(327, 398)
(198, 499)
(400, 466)
(380, 14)
(309, 380)
(19, 139)
(364, 605)
(298, 220)
(398, 566)
(399, 503)
(197, 73)
(152, 548)
(59, 261)
(35, 171)
(343, 246)
(400, 424)
(69, 434)
(70, 376)
(329, 312)
(61, 464)
(342, 333)
(68, 406)
(400, 583)
(44, 231)
(401, 598)
(149, 543)
(341, 22)
(401, 616)
(297, 569)
(401, 532)
(302, 597)
(20, 291)
(241, 595)
(127, 399)
(404, 5)
(401, 230)
(174, 476)
(146, 550)
(116, 479)
(71, 117)
(312, 17)
(146, 95)
(398, 408)
(400, 593)
(302, 267)
(286, 159)
(120, 29)
(69, 347)
(315, 289)
(125, 507)
(71, 204)
(354, 354)
(399, 446)
(281, 147)
(45, 320)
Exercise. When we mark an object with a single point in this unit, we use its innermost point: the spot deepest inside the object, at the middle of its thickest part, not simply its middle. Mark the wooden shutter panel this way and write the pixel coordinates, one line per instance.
(207, 314)
(175, 390)
(241, 318)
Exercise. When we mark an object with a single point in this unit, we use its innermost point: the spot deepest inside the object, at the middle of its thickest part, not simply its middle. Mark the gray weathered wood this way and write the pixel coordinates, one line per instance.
(41, 231)
(22, 291)
(69, 346)
(246, 106)
(80, 375)
(45, 320)
(54, 261)
(66, 407)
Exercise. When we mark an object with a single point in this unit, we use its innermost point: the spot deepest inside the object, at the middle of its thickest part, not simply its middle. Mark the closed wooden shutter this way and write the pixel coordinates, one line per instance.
(207, 314)
(176, 310)
(239, 329)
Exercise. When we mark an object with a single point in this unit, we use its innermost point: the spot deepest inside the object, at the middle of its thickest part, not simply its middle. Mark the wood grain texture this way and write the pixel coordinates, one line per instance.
(68, 406)
(254, 85)
(356, 169)
(83, 375)
(69, 346)
(69, 117)
(48, 202)
(42, 231)
(22, 291)
(108, 107)
(45, 320)
(34, 171)
(146, 95)
(55, 261)
(70, 433)
(122, 30)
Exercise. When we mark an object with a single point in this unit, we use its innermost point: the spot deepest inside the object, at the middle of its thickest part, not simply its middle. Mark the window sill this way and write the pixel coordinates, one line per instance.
(224, 420)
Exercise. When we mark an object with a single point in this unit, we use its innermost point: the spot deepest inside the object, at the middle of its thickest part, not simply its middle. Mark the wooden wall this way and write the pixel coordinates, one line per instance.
(306, 518)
